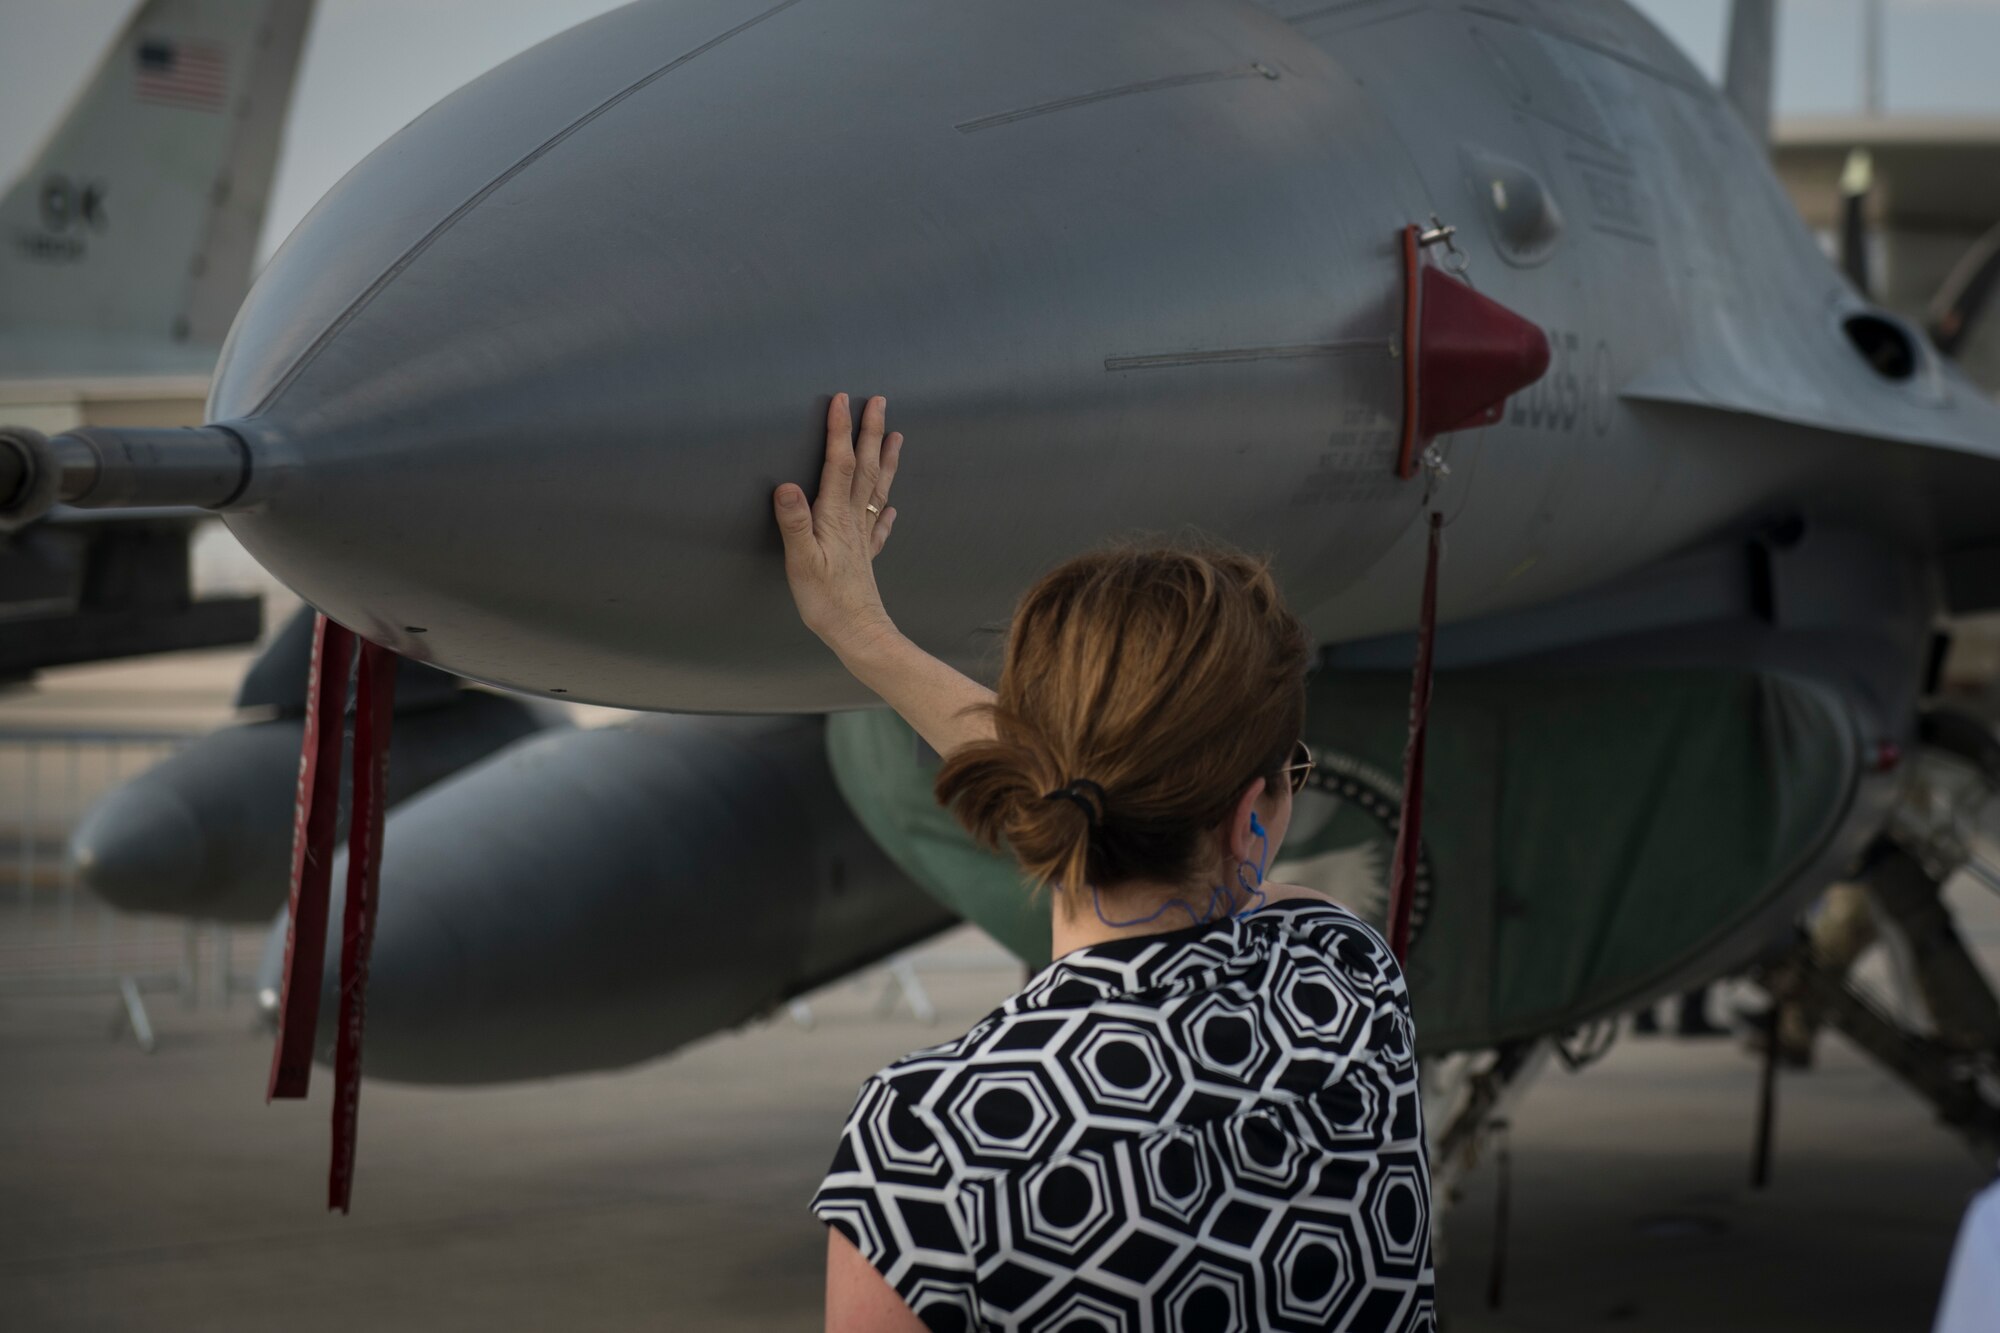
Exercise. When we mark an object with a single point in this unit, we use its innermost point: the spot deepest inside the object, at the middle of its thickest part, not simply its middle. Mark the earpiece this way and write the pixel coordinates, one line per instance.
(1242, 878)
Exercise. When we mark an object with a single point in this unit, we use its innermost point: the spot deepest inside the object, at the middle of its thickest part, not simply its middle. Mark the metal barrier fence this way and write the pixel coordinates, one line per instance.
(55, 937)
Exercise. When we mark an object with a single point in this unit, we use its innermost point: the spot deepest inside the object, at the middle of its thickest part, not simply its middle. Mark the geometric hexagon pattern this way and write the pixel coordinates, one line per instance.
(1205, 1129)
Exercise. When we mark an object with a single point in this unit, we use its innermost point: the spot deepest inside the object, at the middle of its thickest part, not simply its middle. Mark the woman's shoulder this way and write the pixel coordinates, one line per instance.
(1326, 926)
(1315, 907)
(1313, 904)
(1298, 893)
(909, 1079)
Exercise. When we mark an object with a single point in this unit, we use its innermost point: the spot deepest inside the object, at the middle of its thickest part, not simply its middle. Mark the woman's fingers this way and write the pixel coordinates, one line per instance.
(868, 450)
(839, 425)
(836, 476)
(882, 526)
(831, 540)
(857, 474)
(892, 449)
(795, 518)
(795, 523)
(892, 454)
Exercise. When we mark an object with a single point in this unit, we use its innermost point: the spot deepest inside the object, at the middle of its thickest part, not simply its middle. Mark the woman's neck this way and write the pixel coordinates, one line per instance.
(1137, 907)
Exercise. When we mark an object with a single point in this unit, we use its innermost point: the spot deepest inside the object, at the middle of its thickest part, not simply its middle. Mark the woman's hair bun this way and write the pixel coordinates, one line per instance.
(1085, 794)
(1143, 689)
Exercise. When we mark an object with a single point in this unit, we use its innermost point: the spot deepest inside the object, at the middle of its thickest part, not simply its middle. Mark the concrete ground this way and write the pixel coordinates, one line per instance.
(1631, 1206)
(159, 1192)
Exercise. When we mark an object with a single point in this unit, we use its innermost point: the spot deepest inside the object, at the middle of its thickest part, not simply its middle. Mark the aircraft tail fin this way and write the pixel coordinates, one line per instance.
(1747, 68)
(138, 221)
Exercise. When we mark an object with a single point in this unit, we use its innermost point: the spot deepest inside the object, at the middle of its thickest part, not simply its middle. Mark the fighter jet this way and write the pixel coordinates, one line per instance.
(512, 401)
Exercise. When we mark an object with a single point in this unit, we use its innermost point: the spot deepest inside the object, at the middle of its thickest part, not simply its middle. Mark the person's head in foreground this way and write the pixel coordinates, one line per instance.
(1204, 1113)
(1146, 735)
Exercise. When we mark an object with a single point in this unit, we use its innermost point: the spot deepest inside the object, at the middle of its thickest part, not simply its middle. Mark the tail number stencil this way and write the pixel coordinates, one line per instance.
(70, 209)
(1574, 395)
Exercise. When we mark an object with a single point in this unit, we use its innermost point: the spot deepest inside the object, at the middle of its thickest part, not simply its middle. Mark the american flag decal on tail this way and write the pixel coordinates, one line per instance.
(171, 72)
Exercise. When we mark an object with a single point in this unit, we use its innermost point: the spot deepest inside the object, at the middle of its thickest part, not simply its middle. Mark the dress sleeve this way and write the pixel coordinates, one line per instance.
(892, 1192)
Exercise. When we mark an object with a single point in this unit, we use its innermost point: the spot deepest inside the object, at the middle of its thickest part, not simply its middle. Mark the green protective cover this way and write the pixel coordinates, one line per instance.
(1586, 834)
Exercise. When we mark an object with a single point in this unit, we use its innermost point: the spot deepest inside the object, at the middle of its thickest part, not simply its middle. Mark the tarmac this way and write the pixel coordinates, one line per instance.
(159, 1192)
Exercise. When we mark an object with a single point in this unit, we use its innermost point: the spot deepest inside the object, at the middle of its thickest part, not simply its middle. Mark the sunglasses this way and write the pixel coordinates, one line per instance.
(1299, 771)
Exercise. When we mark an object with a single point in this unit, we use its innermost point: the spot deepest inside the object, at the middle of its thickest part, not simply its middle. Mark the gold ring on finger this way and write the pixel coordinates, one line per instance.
(874, 509)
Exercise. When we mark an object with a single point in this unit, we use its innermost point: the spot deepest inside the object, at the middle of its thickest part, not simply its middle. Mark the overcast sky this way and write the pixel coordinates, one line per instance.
(372, 65)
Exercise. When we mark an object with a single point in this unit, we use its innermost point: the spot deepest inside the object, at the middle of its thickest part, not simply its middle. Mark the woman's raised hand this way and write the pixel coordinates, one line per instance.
(830, 549)
(831, 545)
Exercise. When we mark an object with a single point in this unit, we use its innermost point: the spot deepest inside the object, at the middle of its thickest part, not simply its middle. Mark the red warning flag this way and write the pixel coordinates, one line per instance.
(313, 820)
(1463, 354)
(374, 709)
(1410, 822)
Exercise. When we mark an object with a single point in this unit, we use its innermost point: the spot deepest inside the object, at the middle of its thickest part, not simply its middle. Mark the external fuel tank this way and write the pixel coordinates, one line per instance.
(591, 898)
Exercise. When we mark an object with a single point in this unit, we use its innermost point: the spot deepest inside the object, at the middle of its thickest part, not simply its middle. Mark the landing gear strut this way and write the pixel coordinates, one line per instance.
(1956, 1065)
(1958, 1083)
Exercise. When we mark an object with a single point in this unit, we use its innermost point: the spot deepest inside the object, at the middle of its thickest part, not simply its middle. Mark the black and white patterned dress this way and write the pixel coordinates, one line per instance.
(1214, 1128)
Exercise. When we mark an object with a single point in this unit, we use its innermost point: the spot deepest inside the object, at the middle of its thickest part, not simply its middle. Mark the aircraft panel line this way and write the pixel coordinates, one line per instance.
(1163, 360)
(1252, 70)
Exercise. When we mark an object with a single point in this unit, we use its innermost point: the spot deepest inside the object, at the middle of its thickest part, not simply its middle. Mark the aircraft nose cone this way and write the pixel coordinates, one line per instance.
(519, 389)
(140, 849)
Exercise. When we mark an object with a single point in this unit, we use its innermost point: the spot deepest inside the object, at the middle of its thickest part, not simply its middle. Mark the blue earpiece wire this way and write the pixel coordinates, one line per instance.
(1263, 859)
(1255, 890)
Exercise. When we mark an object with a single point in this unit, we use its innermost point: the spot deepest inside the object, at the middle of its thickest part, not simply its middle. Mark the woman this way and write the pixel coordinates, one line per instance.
(1203, 1114)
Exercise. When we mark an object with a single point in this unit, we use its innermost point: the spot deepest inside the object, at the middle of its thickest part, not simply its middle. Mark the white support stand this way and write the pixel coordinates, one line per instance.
(904, 984)
(131, 1015)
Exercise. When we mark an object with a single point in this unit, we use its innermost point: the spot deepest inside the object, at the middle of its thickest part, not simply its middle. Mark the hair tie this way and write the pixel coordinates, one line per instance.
(1094, 812)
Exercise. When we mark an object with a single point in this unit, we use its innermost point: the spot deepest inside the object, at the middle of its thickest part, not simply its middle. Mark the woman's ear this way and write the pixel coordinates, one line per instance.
(1239, 837)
